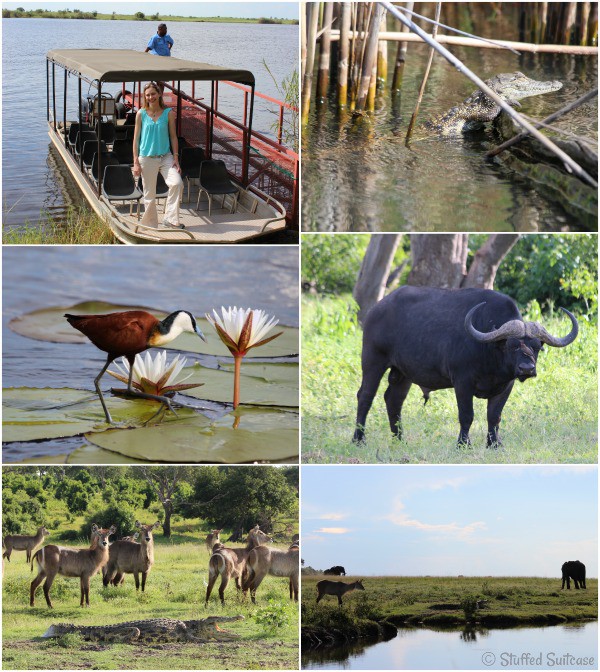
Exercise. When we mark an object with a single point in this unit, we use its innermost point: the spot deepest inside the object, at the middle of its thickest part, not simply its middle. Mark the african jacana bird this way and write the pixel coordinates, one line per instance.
(128, 333)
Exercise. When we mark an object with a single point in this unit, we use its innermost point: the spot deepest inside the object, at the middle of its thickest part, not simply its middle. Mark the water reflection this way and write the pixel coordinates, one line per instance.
(470, 648)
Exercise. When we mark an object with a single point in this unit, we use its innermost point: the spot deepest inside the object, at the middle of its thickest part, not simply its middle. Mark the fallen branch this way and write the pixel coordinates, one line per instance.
(481, 44)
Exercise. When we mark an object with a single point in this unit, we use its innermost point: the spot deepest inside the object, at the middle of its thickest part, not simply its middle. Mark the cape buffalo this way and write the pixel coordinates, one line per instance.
(336, 570)
(473, 340)
(573, 569)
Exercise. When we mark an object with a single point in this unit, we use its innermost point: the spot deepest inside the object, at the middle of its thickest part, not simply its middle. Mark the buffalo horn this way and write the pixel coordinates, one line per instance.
(520, 329)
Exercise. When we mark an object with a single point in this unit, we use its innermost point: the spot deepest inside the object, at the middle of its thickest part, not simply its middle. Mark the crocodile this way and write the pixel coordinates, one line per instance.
(156, 630)
(478, 108)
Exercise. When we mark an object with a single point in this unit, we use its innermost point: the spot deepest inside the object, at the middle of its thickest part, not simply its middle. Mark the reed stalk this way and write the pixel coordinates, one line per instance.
(370, 57)
(401, 56)
(312, 23)
(344, 54)
(382, 54)
(325, 52)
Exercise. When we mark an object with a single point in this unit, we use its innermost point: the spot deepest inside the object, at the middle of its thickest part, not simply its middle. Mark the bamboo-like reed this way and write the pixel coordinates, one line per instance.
(361, 49)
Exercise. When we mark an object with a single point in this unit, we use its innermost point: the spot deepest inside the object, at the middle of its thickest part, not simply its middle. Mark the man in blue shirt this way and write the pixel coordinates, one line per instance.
(161, 43)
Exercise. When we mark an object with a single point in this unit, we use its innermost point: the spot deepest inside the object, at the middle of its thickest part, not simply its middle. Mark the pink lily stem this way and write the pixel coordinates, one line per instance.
(236, 380)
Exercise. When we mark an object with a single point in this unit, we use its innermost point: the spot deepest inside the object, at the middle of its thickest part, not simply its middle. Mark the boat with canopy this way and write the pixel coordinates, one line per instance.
(261, 173)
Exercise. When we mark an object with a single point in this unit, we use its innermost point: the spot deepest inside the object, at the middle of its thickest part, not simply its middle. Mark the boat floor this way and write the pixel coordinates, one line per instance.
(221, 227)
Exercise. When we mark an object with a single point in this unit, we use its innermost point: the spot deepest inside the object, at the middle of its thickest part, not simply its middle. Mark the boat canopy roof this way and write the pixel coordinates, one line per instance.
(127, 65)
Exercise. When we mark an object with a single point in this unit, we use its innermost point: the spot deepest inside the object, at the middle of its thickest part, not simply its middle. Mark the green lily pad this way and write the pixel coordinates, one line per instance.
(255, 385)
(91, 454)
(49, 324)
(31, 414)
(261, 435)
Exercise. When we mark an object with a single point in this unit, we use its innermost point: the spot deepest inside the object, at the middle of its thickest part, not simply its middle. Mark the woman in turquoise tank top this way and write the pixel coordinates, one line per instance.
(155, 148)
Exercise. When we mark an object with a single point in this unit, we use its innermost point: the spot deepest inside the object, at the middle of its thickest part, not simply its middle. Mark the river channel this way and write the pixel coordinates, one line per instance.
(560, 647)
(33, 178)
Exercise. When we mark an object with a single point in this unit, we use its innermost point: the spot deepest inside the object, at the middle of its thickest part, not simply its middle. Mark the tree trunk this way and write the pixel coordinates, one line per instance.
(488, 258)
(374, 271)
(438, 260)
(168, 507)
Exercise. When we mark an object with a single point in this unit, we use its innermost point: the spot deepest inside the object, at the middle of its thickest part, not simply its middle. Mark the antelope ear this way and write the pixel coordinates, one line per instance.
(137, 523)
(113, 529)
(95, 527)
(156, 524)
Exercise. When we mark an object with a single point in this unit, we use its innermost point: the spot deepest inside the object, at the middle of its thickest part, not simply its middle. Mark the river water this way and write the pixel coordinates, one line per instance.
(162, 278)
(357, 175)
(559, 647)
(33, 178)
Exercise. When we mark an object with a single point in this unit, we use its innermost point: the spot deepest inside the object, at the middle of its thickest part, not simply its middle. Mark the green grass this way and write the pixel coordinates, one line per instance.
(175, 589)
(80, 226)
(435, 601)
(551, 419)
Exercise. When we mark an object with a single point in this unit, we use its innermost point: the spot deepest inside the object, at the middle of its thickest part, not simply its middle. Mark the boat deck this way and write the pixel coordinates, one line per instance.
(221, 226)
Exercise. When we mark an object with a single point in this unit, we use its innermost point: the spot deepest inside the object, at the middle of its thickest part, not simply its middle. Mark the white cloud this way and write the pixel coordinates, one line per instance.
(333, 530)
(333, 516)
(402, 519)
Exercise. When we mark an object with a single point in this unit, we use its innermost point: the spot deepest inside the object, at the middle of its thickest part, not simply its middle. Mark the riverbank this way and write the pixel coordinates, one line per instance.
(437, 602)
(139, 16)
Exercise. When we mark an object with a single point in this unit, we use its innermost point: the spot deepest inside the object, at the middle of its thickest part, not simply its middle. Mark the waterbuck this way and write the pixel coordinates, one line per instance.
(229, 563)
(129, 557)
(212, 539)
(24, 542)
(71, 562)
(263, 560)
(337, 588)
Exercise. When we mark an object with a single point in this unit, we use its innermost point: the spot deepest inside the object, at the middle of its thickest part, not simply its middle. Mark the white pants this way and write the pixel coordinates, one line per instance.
(151, 165)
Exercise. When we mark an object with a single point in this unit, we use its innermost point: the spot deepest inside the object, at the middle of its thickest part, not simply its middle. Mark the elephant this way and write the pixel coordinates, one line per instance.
(573, 569)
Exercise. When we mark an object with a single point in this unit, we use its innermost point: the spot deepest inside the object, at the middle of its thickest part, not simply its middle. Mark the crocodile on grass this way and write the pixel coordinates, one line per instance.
(156, 630)
(478, 108)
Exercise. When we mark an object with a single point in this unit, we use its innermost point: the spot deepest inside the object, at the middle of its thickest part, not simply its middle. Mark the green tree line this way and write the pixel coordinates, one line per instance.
(60, 497)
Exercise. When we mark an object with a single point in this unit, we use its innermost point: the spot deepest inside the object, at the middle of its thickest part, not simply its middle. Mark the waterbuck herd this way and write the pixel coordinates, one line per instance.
(134, 554)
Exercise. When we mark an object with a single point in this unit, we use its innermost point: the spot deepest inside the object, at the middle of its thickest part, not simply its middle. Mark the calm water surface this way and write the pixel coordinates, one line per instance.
(33, 177)
(359, 176)
(163, 278)
(424, 649)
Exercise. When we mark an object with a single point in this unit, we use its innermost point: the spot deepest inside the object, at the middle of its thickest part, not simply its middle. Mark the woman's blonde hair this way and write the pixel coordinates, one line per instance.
(158, 90)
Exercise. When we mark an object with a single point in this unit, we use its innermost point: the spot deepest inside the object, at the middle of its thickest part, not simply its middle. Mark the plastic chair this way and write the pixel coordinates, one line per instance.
(190, 159)
(90, 147)
(82, 138)
(123, 148)
(74, 129)
(108, 132)
(215, 181)
(106, 159)
(119, 185)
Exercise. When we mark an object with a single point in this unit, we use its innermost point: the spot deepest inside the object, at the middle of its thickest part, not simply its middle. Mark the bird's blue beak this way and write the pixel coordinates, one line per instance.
(199, 332)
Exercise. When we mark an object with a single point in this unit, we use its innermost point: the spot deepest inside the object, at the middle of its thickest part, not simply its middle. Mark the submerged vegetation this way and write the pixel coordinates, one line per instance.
(429, 601)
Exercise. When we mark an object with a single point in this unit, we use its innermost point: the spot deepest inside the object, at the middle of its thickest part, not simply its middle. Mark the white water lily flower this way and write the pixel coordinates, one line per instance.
(154, 376)
(241, 330)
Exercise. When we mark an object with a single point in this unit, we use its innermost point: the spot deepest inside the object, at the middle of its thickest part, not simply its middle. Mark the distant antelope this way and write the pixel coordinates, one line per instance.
(24, 542)
(337, 588)
(263, 560)
(212, 539)
(129, 557)
(229, 563)
(71, 562)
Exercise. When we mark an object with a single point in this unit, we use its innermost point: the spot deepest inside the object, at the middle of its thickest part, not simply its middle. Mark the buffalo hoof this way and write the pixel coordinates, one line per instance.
(359, 437)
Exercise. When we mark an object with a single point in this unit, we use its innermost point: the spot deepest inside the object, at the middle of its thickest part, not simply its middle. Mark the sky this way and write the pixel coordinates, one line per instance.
(250, 10)
(447, 521)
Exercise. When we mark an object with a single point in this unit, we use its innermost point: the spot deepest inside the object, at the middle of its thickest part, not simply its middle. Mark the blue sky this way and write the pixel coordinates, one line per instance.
(280, 10)
(445, 521)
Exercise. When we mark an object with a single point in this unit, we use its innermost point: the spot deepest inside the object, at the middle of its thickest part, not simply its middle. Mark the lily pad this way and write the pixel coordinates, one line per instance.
(254, 389)
(91, 454)
(49, 324)
(32, 414)
(261, 435)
